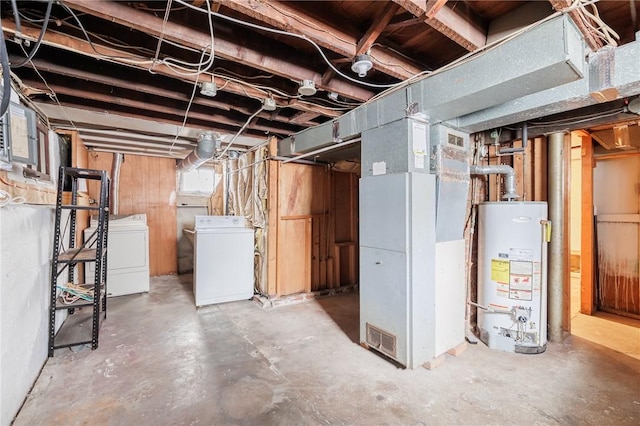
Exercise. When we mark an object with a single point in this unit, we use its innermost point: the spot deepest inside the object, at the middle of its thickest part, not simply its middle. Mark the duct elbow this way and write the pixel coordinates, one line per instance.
(509, 178)
(204, 151)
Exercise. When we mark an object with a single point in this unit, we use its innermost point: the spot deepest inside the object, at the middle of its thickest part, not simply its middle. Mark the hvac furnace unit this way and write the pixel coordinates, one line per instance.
(512, 276)
(413, 196)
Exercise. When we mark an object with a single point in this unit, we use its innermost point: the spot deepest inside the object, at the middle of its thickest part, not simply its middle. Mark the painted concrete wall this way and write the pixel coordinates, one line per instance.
(25, 253)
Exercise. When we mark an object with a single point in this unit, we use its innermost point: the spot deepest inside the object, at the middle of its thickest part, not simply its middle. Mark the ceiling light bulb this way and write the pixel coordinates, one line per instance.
(208, 88)
(361, 65)
(307, 88)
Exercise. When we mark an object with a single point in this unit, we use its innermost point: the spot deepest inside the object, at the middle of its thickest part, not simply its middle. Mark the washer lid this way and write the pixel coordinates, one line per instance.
(210, 222)
(123, 220)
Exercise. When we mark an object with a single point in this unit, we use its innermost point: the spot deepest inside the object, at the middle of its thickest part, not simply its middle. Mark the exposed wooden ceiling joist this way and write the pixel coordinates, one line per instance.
(303, 117)
(150, 106)
(76, 45)
(463, 30)
(282, 16)
(433, 7)
(376, 28)
(189, 37)
(48, 66)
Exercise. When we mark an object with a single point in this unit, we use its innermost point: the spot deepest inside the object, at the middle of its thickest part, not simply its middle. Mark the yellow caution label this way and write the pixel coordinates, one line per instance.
(500, 270)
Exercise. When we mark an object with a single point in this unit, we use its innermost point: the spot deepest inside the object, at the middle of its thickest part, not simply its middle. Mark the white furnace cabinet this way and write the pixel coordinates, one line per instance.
(397, 266)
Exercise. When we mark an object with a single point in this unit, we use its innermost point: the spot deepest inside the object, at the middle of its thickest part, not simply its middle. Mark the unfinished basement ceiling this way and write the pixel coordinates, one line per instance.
(101, 63)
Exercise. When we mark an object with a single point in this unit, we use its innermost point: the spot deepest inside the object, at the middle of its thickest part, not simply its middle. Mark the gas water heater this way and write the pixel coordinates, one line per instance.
(512, 275)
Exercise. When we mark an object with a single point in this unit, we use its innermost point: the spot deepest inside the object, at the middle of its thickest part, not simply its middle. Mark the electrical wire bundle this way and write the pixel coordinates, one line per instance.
(591, 20)
(71, 293)
(6, 199)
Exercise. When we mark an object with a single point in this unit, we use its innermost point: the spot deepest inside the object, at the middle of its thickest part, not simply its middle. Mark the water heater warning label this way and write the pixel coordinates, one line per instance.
(521, 280)
(500, 271)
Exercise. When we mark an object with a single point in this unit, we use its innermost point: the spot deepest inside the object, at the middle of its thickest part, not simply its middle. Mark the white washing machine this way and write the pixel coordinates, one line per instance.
(127, 255)
(223, 260)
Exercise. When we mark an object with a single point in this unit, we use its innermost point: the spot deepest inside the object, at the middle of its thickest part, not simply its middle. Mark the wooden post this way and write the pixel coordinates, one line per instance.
(587, 243)
(272, 226)
(540, 169)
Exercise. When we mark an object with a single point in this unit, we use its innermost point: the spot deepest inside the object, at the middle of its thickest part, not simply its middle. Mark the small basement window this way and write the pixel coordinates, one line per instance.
(200, 181)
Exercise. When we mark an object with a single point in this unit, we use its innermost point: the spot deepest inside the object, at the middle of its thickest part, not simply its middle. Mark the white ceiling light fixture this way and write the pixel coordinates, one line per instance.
(307, 88)
(361, 65)
(634, 106)
(208, 88)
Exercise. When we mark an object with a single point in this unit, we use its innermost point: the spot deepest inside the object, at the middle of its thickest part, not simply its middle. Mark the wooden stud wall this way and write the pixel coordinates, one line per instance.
(148, 185)
(312, 228)
(530, 171)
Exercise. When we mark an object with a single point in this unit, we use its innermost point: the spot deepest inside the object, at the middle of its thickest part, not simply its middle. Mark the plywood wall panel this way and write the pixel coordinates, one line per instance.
(301, 189)
(294, 256)
(148, 185)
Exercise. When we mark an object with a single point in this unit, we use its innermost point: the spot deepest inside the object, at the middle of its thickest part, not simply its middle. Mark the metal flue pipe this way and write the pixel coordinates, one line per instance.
(556, 247)
(116, 163)
(503, 169)
(204, 151)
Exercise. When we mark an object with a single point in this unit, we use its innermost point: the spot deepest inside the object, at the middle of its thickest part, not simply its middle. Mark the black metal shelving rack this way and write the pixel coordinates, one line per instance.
(82, 325)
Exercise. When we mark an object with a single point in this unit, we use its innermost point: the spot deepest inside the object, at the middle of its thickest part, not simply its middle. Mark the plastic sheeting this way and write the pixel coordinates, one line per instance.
(243, 192)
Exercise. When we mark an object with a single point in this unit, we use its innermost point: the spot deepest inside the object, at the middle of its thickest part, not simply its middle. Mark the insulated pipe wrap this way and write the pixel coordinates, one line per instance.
(500, 169)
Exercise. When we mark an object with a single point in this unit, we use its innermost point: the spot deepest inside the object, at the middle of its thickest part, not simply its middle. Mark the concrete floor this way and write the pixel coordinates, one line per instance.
(163, 362)
(615, 332)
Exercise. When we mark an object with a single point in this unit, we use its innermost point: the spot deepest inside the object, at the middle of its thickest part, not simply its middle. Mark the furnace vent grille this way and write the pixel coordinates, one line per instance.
(381, 340)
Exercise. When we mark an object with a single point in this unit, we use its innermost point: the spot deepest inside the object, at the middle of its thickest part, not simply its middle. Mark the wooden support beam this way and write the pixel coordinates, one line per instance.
(463, 30)
(587, 243)
(303, 118)
(282, 16)
(328, 75)
(133, 18)
(539, 169)
(50, 67)
(377, 26)
(82, 47)
(273, 219)
(43, 65)
(433, 7)
(593, 42)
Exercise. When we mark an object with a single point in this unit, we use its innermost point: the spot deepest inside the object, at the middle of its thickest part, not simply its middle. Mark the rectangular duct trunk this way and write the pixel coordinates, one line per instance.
(546, 56)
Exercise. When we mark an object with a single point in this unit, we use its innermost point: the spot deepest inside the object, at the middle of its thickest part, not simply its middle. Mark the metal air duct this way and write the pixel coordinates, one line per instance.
(204, 151)
(118, 159)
